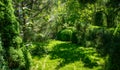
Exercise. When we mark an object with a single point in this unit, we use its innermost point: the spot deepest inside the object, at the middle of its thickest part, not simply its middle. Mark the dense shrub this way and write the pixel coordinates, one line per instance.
(65, 35)
(90, 62)
(17, 59)
(86, 1)
(74, 37)
(37, 49)
(27, 57)
(99, 18)
(106, 41)
(114, 51)
(3, 65)
(9, 37)
(68, 34)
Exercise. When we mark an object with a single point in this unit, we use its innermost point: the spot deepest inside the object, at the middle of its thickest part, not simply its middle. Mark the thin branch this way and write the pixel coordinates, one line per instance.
(40, 10)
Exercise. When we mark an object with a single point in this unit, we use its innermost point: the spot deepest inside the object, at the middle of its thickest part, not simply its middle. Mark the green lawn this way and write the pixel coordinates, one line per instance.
(61, 55)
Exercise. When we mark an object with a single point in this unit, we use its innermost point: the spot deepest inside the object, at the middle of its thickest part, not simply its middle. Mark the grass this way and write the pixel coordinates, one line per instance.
(62, 55)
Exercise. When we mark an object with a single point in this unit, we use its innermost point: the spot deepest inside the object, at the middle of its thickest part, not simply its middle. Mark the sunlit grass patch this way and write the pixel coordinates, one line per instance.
(45, 63)
(63, 55)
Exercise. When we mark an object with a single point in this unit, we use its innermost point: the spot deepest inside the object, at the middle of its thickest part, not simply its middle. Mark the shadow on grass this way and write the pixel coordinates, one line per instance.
(39, 49)
(70, 53)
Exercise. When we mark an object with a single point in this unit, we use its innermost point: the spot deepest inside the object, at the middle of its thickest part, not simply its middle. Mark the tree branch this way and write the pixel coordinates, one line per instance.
(40, 10)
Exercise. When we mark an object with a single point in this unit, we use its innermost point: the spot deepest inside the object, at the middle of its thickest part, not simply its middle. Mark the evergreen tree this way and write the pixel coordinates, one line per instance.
(10, 38)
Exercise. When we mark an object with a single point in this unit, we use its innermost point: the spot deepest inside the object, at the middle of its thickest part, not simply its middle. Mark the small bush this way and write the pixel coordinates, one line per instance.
(65, 35)
(90, 62)
(28, 58)
(68, 34)
(16, 58)
(38, 49)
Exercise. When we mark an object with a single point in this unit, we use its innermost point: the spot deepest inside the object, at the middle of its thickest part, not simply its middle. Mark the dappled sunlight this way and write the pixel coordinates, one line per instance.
(59, 35)
(71, 53)
(65, 55)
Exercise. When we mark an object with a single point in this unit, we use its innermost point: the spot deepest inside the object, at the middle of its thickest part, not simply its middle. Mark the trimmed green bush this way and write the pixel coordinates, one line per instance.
(68, 34)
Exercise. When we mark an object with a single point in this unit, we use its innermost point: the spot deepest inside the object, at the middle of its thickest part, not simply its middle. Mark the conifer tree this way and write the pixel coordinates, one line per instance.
(9, 30)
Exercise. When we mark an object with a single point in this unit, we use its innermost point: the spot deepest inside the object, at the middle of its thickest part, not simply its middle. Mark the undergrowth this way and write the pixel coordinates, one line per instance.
(61, 55)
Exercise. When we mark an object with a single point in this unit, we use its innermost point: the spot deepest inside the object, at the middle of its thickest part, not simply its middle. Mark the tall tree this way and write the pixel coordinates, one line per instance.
(34, 17)
(10, 36)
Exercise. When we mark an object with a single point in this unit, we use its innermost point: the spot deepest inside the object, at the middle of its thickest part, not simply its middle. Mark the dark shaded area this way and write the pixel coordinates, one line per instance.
(87, 1)
(71, 53)
(98, 18)
(113, 3)
(112, 48)
(39, 50)
(107, 42)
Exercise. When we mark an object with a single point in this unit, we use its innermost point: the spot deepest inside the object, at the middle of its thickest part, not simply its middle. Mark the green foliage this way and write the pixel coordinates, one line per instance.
(99, 18)
(1, 12)
(3, 65)
(68, 34)
(114, 52)
(1, 4)
(10, 40)
(114, 4)
(17, 40)
(9, 25)
(40, 37)
(64, 55)
(43, 19)
(74, 37)
(16, 58)
(103, 38)
(29, 34)
(87, 1)
(27, 58)
(38, 49)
